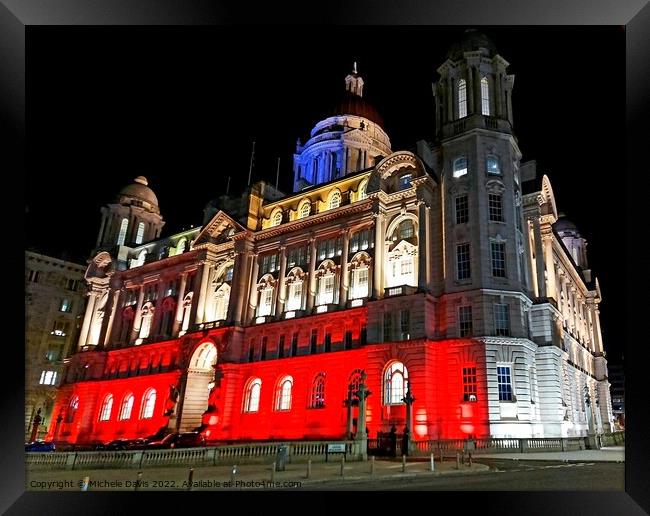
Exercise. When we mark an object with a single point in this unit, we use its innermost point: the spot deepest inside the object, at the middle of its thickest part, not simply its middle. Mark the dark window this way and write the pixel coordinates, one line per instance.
(281, 347)
(505, 383)
(294, 344)
(502, 320)
(388, 326)
(462, 210)
(265, 341)
(498, 259)
(328, 342)
(313, 344)
(405, 324)
(364, 335)
(251, 351)
(465, 320)
(495, 207)
(463, 261)
(348, 340)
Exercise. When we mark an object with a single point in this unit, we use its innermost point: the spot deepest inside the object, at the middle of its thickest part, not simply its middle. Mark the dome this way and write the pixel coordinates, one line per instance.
(564, 225)
(352, 104)
(140, 190)
(471, 40)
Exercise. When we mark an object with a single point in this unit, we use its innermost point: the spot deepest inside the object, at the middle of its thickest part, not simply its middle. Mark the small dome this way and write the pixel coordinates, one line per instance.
(139, 189)
(564, 226)
(470, 41)
(351, 104)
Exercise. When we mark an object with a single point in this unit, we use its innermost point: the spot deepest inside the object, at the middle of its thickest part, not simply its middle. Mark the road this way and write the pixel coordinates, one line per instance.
(506, 475)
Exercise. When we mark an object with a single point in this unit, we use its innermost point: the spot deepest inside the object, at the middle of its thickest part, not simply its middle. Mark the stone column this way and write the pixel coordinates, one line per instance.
(345, 282)
(252, 296)
(203, 292)
(238, 294)
(539, 260)
(469, 90)
(450, 99)
(311, 292)
(550, 267)
(422, 246)
(498, 94)
(598, 344)
(90, 311)
(281, 294)
(137, 320)
(178, 319)
(509, 105)
(117, 294)
(378, 259)
(155, 323)
(349, 404)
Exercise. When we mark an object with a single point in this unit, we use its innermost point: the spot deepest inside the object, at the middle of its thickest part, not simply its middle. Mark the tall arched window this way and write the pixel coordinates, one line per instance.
(326, 283)
(107, 406)
(139, 235)
(362, 190)
(187, 308)
(265, 288)
(204, 357)
(167, 318)
(252, 395)
(354, 381)
(317, 399)
(305, 209)
(360, 275)
(294, 289)
(148, 404)
(335, 200)
(283, 394)
(147, 318)
(395, 379)
(460, 166)
(127, 407)
(276, 220)
(72, 409)
(462, 98)
(485, 96)
(124, 225)
(222, 298)
(401, 260)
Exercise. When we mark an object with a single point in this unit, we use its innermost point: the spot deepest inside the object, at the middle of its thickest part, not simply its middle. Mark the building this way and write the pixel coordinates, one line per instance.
(54, 308)
(442, 281)
(617, 391)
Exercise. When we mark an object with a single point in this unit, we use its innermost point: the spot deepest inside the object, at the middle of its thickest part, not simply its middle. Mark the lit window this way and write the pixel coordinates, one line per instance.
(180, 247)
(495, 207)
(139, 235)
(504, 381)
(465, 320)
(326, 289)
(283, 397)
(252, 395)
(305, 210)
(460, 167)
(294, 301)
(127, 407)
(266, 302)
(485, 96)
(122, 234)
(66, 306)
(492, 165)
(395, 380)
(60, 329)
(362, 190)
(48, 378)
(148, 404)
(502, 320)
(277, 219)
(462, 98)
(335, 200)
(406, 229)
(147, 319)
(462, 209)
(359, 283)
(469, 383)
(498, 251)
(318, 392)
(405, 181)
(107, 406)
(405, 324)
(463, 268)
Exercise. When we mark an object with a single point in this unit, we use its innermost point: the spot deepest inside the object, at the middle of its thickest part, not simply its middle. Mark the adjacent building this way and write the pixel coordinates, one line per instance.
(436, 289)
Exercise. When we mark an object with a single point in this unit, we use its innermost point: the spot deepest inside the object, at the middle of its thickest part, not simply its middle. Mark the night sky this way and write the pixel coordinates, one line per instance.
(182, 106)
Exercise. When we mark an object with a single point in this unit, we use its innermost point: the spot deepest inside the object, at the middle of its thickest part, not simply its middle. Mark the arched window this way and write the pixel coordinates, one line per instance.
(222, 298)
(148, 404)
(317, 399)
(362, 190)
(294, 289)
(139, 235)
(395, 379)
(335, 200)
(276, 220)
(462, 98)
(283, 394)
(167, 319)
(72, 409)
(124, 225)
(204, 357)
(252, 395)
(147, 318)
(493, 166)
(406, 229)
(485, 96)
(265, 288)
(326, 283)
(127, 407)
(180, 246)
(460, 166)
(107, 406)
(354, 382)
(404, 181)
(360, 274)
(139, 261)
(305, 209)
(187, 308)
(401, 260)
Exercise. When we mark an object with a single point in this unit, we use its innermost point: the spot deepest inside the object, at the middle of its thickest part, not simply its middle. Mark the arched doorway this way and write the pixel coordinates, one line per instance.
(200, 375)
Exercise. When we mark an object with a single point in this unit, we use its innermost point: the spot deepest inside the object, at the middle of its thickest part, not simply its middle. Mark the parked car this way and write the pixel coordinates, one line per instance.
(127, 444)
(179, 440)
(40, 446)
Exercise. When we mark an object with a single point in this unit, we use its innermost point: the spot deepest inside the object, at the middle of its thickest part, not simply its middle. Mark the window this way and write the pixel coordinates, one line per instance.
(335, 200)
(313, 342)
(504, 381)
(294, 301)
(498, 259)
(492, 165)
(277, 218)
(59, 329)
(405, 181)
(283, 397)
(469, 383)
(229, 272)
(72, 409)
(326, 289)
(360, 241)
(305, 210)
(148, 404)
(281, 347)
(347, 341)
(465, 321)
(328, 342)
(388, 326)
(460, 167)
(270, 263)
(251, 351)
(107, 406)
(297, 256)
(463, 261)
(359, 283)
(294, 344)
(495, 207)
(266, 302)
(330, 248)
(147, 319)
(502, 320)
(406, 229)
(139, 236)
(318, 392)
(462, 210)
(122, 234)
(127, 407)
(252, 396)
(265, 341)
(32, 276)
(485, 97)
(54, 352)
(65, 306)
(405, 324)
(48, 378)
(462, 98)
(362, 190)
(72, 284)
(394, 383)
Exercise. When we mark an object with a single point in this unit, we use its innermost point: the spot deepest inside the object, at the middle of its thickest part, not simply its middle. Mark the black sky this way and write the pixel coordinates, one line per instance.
(182, 106)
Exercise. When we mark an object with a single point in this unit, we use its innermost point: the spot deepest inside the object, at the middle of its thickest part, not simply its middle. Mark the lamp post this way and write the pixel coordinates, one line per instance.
(362, 436)
(591, 436)
(409, 399)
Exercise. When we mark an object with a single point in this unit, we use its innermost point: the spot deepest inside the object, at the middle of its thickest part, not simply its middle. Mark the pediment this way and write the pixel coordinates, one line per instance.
(220, 229)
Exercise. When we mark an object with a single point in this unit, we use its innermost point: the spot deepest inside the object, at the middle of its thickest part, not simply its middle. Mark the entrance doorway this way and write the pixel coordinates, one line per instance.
(200, 376)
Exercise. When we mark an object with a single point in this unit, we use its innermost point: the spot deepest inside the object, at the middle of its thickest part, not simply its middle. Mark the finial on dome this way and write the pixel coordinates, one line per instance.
(354, 68)
(142, 180)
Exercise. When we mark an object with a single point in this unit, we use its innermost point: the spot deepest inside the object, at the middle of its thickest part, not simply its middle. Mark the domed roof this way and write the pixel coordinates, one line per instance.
(352, 104)
(564, 225)
(471, 40)
(139, 189)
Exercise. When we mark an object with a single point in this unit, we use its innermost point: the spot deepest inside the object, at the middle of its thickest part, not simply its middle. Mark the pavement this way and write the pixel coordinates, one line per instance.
(609, 454)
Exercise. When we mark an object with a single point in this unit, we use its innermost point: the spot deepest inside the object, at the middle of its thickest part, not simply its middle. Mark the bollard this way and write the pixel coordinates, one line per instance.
(403, 463)
(342, 464)
(273, 473)
(372, 465)
(433, 464)
(138, 482)
(309, 468)
(457, 460)
(189, 479)
(85, 484)
(233, 475)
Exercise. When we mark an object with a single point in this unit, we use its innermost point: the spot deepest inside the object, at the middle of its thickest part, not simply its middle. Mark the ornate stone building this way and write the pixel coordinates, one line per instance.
(54, 308)
(444, 275)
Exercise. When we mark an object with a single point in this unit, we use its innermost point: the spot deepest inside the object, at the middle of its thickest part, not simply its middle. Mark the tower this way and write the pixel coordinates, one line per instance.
(131, 219)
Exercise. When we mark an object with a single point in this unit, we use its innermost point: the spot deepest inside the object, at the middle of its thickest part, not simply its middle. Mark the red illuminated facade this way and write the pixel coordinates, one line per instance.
(443, 276)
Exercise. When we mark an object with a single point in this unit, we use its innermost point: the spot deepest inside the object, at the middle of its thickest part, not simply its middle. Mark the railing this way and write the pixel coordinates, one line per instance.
(499, 445)
(613, 439)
